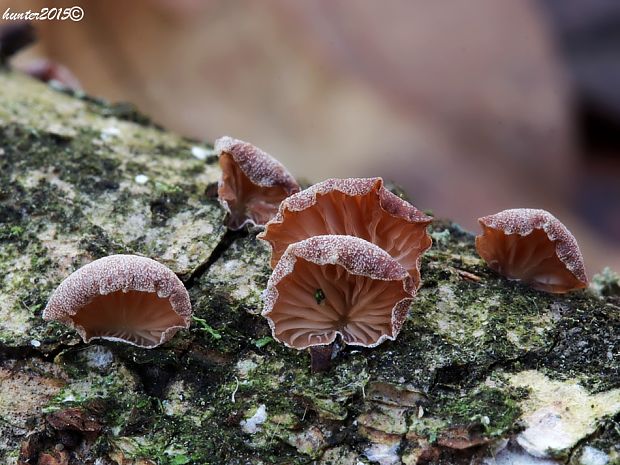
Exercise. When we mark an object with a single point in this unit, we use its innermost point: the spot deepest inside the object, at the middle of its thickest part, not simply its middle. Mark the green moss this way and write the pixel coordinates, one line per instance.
(241, 275)
(205, 417)
(586, 344)
(170, 201)
(122, 111)
(496, 410)
(606, 283)
(113, 384)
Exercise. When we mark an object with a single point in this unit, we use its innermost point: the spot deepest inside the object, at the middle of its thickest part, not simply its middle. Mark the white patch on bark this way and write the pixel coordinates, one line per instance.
(252, 424)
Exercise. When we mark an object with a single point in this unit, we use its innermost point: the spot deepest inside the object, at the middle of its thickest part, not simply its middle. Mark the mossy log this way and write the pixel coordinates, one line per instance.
(484, 371)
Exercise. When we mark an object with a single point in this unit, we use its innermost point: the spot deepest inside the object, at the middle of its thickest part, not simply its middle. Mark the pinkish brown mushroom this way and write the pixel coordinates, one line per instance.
(532, 246)
(47, 70)
(253, 183)
(360, 207)
(329, 286)
(122, 298)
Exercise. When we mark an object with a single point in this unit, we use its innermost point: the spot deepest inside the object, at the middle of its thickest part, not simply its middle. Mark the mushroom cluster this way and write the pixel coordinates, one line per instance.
(345, 252)
(346, 257)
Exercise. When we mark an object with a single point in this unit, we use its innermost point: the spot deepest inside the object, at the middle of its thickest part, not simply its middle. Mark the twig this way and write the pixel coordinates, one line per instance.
(232, 397)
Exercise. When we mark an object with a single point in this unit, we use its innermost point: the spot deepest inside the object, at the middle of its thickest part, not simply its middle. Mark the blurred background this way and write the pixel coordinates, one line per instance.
(472, 106)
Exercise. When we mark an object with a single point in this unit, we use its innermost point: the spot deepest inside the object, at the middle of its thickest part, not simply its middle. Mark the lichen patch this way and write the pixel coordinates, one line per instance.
(558, 415)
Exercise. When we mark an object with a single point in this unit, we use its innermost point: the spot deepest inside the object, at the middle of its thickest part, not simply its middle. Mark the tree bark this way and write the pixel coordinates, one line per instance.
(484, 371)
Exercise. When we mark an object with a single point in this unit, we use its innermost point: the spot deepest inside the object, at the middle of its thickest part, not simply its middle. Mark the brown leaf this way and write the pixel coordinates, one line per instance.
(74, 419)
(56, 457)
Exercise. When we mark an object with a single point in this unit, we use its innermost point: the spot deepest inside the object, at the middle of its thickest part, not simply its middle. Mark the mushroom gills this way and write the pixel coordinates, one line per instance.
(531, 259)
(140, 318)
(355, 306)
(361, 216)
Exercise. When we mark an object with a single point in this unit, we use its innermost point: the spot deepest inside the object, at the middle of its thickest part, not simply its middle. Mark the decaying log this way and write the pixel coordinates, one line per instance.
(484, 371)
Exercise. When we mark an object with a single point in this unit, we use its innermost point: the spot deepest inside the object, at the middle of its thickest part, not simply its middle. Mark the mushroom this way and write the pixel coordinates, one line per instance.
(360, 207)
(534, 247)
(328, 286)
(123, 298)
(46, 70)
(14, 37)
(253, 183)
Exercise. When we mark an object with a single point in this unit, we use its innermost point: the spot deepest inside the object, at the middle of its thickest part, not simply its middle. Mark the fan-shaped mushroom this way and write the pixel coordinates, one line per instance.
(534, 247)
(360, 207)
(327, 286)
(122, 298)
(253, 183)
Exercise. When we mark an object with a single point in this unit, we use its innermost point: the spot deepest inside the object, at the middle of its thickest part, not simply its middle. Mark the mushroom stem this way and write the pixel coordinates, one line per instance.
(321, 357)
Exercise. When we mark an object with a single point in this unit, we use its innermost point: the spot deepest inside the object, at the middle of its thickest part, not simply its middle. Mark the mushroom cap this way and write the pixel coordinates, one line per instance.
(123, 298)
(532, 246)
(329, 285)
(253, 183)
(360, 207)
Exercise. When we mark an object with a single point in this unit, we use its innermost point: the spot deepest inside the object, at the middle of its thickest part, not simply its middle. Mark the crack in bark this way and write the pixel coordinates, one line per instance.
(227, 240)
(25, 352)
(596, 433)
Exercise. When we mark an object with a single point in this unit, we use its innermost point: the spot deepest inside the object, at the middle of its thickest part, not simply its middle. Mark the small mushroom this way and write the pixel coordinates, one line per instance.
(360, 207)
(532, 246)
(253, 183)
(15, 36)
(329, 286)
(123, 298)
(46, 70)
